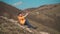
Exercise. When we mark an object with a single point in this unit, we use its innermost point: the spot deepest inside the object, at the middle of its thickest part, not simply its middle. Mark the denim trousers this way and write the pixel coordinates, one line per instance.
(28, 24)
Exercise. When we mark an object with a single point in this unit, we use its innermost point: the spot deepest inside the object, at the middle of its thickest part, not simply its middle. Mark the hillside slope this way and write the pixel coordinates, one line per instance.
(8, 26)
(48, 15)
(8, 10)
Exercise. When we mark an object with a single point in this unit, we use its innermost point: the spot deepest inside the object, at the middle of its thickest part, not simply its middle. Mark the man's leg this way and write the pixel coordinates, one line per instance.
(28, 24)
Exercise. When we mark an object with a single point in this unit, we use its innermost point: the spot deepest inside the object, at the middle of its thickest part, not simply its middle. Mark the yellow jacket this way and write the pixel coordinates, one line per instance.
(21, 20)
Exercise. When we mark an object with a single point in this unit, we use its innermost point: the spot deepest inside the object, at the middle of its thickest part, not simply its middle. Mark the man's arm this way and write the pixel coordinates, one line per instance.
(26, 14)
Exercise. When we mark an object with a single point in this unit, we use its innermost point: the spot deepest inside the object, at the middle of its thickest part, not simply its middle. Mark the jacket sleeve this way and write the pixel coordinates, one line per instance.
(25, 14)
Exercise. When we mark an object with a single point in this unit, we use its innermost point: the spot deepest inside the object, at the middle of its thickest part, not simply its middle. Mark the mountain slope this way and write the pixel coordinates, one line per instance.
(48, 15)
(8, 10)
(9, 26)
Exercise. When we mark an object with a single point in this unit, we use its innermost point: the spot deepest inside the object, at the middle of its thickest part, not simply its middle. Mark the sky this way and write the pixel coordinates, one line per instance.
(24, 4)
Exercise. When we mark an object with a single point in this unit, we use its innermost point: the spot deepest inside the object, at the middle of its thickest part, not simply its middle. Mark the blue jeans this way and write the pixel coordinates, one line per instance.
(28, 24)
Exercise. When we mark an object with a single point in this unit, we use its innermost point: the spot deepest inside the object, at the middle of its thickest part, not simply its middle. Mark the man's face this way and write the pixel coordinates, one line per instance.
(21, 14)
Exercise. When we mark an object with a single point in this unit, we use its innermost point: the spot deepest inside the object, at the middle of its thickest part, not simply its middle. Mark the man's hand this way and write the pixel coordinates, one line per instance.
(27, 13)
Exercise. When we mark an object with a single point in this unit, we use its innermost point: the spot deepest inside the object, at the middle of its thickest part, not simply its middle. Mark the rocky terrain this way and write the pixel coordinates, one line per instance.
(46, 18)
(48, 15)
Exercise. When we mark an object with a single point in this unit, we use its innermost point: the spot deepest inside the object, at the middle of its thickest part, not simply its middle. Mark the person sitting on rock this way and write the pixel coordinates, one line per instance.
(23, 20)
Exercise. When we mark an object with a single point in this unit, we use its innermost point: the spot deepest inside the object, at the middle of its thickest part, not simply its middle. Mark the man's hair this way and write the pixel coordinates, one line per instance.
(20, 12)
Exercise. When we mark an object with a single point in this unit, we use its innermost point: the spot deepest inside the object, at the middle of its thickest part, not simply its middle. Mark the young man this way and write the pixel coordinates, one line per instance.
(23, 21)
